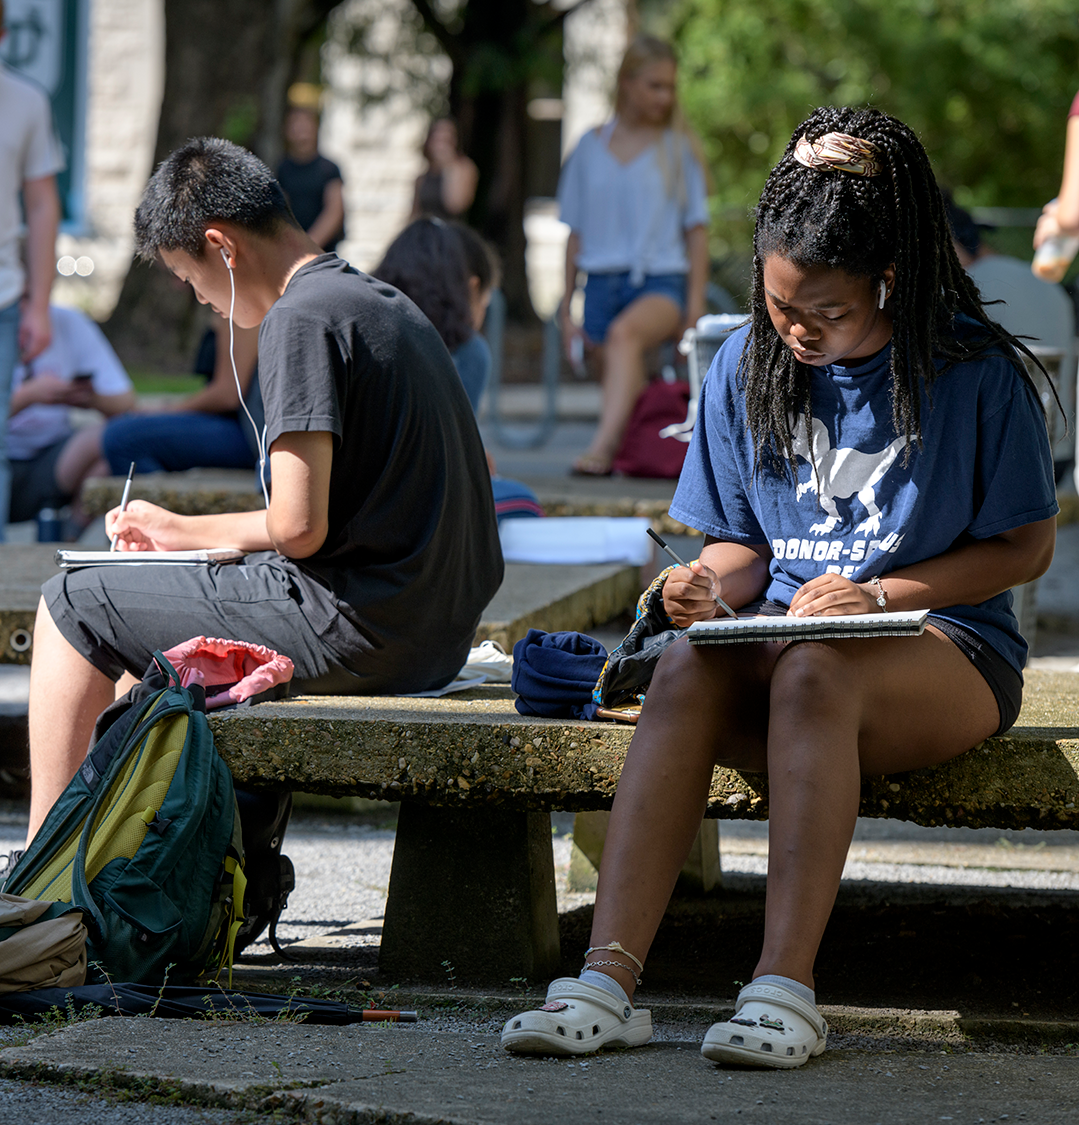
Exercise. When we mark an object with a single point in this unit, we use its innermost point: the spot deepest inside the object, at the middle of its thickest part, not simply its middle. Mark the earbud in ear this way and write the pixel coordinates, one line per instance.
(880, 299)
(225, 258)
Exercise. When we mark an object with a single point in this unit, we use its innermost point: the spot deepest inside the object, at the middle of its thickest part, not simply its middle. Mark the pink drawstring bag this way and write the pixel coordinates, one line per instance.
(231, 671)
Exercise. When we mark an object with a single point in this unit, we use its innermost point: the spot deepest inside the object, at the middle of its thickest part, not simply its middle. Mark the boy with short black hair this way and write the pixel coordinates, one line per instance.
(379, 548)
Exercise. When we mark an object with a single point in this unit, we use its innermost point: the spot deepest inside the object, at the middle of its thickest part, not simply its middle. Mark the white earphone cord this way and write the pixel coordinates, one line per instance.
(260, 439)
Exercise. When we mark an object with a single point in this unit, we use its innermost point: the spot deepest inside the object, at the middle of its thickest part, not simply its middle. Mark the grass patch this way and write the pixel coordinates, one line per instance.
(150, 382)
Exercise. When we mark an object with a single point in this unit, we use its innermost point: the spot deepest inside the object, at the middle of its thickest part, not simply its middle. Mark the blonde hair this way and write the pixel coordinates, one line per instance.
(301, 95)
(642, 52)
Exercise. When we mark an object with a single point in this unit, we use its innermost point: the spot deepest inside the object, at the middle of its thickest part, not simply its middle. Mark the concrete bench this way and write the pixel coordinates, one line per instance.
(472, 880)
(551, 598)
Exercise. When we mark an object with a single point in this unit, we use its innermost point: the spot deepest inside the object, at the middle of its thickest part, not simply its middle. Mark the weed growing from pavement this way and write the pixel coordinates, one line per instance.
(520, 984)
(55, 1019)
(255, 1103)
(235, 1010)
(451, 974)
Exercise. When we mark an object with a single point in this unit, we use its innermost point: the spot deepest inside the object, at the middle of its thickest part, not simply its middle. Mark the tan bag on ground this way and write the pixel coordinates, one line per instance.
(37, 951)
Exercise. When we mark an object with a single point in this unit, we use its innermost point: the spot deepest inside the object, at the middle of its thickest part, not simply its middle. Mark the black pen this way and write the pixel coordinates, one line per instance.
(719, 601)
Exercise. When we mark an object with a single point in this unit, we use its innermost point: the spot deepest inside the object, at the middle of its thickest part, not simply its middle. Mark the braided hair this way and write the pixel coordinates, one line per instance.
(861, 224)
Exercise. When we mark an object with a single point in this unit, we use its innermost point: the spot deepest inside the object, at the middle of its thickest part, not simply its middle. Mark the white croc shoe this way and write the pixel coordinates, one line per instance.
(771, 1026)
(577, 1018)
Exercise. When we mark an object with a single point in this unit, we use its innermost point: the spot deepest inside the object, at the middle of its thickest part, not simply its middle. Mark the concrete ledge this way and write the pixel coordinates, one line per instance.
(654, 510)
(557, 598)
(23, 569)
(209, 491)
(474, 747)
(192, 493)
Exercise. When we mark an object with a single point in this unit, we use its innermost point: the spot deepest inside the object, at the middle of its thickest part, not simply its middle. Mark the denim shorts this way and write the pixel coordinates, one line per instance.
(607, 294)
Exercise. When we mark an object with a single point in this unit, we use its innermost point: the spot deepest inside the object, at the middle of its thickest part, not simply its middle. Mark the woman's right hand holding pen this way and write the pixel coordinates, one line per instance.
(688, 594)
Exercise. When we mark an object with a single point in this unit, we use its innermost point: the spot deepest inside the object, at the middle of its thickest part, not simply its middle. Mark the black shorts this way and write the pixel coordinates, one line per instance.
(33, 484)
(1004, 681)
(118, 616)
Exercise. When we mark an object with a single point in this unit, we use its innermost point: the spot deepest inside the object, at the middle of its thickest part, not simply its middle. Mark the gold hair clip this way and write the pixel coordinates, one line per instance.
(839, 152)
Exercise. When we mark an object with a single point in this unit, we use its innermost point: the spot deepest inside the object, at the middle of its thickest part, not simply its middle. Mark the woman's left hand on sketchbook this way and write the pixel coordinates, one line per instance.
(830, 594)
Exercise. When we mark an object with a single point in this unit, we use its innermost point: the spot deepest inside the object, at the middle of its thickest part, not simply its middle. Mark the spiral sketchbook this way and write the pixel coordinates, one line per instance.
(70, 560)
(744, 630)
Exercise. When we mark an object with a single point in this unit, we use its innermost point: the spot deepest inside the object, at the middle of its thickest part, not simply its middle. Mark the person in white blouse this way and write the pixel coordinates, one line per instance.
(634, 195)
(49, 458)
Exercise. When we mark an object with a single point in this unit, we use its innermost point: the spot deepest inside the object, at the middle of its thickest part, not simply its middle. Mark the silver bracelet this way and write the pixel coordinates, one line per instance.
(882, 597)
(614, 965)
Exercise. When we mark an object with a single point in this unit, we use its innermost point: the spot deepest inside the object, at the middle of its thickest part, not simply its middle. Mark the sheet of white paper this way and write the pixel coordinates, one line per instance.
(577, 540)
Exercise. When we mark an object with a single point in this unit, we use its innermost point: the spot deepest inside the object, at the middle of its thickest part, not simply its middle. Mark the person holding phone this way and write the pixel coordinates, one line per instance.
(49, 457)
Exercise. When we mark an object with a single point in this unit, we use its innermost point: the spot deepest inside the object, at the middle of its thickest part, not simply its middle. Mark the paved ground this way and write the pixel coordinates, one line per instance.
(407, 1074)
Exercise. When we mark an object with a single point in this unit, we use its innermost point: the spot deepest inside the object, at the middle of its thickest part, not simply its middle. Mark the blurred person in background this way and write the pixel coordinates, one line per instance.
(450, 271)
(312, 183)
(427, 262)
(30, 157)
(1060, 216)
(49, 457)
(1041, 313)
(634, 195)
(208, 429)
(446, 189)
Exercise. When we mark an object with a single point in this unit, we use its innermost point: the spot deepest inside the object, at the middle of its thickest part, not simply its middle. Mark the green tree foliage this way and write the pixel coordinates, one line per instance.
(986, 84)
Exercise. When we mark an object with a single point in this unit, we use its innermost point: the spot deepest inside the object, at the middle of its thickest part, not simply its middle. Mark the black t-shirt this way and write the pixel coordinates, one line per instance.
(412, 554)
(305, 186)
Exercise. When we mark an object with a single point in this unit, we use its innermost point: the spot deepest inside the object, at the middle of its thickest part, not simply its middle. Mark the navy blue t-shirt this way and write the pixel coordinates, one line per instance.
(984, 467)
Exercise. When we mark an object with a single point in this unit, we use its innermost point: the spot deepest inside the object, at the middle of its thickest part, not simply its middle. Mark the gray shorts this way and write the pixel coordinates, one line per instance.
(117, 616)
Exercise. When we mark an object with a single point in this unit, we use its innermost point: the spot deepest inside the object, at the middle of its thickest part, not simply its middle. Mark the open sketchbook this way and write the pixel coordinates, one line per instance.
(743, 630)
(69, 560)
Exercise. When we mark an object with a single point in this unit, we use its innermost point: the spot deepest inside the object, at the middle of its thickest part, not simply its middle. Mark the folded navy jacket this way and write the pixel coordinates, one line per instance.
(554, 674)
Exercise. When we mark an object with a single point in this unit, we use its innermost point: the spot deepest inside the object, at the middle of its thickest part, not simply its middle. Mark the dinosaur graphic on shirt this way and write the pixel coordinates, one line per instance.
(840, 474)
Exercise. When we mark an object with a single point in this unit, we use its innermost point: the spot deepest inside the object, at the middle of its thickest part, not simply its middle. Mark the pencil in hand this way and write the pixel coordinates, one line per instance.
(123, 501)
(670, 554)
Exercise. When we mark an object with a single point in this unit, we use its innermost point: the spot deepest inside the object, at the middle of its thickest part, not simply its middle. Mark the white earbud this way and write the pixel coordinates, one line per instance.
(225, 257)
(880, 300)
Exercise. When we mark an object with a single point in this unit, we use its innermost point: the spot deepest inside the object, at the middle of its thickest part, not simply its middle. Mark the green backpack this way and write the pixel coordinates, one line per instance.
(145, 840)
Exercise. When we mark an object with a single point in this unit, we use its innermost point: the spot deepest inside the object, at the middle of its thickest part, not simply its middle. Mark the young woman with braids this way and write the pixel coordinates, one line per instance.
(870, 440)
